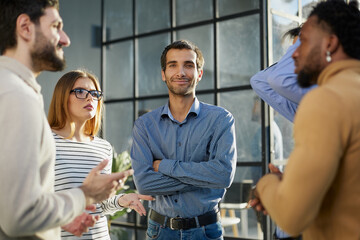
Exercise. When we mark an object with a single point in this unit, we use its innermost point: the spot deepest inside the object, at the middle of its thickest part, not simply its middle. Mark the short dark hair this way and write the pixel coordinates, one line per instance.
(183, 44)
(292, 33)
(10, 11)
(343, 20)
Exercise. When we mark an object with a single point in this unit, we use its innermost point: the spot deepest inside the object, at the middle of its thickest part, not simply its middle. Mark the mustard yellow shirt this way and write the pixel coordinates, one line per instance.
(319, 194)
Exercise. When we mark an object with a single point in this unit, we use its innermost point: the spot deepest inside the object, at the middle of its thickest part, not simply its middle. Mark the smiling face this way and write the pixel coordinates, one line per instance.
(47, 52)
(81, 110)
(310, 56)
(181, 74)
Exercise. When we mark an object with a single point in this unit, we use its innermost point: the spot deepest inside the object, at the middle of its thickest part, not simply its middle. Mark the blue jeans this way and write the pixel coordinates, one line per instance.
(161, 232)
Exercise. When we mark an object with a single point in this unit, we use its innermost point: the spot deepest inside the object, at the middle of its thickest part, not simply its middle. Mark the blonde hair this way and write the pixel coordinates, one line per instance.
(58, 110)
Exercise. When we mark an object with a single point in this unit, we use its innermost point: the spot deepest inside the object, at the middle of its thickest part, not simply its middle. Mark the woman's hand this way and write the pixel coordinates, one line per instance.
(133, 201)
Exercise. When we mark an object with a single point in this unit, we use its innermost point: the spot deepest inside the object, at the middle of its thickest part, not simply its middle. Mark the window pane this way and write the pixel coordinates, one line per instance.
(307, 7)
(279, 27)
(152, 15)
(118, 18)
(206, 98)
(227, 7)
(246, 112)
(248, 227)
(203, 37)
(286, 6)
(238, 50)
(189, 11)
(119, 124)
(119, 70)
(148, 64)
(286, 129)
(149, 105)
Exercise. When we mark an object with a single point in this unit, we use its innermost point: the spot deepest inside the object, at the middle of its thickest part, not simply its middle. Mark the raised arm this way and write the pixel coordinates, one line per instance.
(259, 83)
(277, 85)
(283, 79)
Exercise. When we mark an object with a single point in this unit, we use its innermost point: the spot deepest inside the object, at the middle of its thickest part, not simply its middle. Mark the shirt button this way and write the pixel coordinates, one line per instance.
(180, 125)
(179, 144)
(176, 200)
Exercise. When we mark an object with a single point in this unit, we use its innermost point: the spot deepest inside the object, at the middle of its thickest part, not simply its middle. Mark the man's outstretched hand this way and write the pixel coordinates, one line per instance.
(98, 187)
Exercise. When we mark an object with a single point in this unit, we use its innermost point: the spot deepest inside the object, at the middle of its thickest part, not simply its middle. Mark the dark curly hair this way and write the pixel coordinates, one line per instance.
(183, 44)
(343, 20)
(10, 11)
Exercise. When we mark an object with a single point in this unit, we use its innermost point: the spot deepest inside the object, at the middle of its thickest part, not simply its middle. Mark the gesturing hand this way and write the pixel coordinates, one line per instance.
(132, 201)
(255, 201)
(82, 222)
(98, 187)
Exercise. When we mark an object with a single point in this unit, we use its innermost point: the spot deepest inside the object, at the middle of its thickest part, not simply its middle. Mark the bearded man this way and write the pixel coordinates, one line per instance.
(319, 193)
(31, 41)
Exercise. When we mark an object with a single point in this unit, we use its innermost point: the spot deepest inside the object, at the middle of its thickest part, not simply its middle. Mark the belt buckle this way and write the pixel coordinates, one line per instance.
(175, 220)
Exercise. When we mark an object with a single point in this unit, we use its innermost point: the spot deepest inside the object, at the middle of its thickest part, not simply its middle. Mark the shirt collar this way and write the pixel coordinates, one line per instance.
(21, 70)
(195, 108)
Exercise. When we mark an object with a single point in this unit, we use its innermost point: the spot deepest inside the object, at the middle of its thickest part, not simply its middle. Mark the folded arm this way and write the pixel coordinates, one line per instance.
(146, 179)
(219, 170)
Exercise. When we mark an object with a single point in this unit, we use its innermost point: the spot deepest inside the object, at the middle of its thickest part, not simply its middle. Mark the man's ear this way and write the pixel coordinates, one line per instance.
(24, 27)
(200, 74)
(333, 43)
(163, 75)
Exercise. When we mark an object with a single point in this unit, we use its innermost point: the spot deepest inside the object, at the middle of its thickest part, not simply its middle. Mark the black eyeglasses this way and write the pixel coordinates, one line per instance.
(83, 93)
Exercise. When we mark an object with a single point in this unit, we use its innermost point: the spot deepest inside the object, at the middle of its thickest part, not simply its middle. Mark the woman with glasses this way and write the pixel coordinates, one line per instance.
(75, 118)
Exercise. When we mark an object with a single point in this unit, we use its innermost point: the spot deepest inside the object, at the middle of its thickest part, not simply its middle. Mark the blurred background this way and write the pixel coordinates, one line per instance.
(121, 41)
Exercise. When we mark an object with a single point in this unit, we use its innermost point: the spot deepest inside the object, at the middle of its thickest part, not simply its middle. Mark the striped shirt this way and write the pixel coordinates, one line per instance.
(74, 161)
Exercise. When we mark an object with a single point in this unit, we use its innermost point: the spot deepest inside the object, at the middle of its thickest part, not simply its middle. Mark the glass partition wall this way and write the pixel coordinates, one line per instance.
(282, 16)
(232, 36)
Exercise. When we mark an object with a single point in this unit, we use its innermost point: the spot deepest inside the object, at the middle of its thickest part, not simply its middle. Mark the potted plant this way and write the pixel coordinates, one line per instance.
(120, 162)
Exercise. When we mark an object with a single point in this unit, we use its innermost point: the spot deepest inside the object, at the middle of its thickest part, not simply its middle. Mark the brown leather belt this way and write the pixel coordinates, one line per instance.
(178, 223)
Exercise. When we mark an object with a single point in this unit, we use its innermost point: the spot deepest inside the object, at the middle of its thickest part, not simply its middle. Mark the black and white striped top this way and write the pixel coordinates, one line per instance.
(74, 161)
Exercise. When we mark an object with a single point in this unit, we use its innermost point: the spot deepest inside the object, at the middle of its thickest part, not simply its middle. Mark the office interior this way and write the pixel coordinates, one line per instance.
(121, 41)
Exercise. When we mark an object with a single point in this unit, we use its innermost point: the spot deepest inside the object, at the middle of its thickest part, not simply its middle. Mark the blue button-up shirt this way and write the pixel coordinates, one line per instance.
(198, 158)
(277, 85)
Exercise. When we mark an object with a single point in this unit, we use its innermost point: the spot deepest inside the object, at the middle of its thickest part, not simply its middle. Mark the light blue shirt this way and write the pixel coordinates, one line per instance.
(198, 158)
(277, 85)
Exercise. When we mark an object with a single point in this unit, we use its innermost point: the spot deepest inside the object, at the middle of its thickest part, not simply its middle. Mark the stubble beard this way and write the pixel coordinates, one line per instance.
(44, 55)
(180, 91)
(309, 74)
